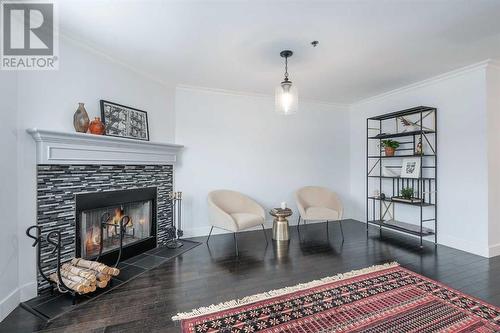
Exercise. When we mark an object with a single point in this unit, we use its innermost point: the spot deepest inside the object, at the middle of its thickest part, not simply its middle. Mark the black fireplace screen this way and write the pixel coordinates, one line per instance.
(138, 228)
(139, 205)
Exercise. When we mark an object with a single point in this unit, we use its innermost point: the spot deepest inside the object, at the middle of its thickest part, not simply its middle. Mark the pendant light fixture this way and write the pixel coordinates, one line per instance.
(286, 97)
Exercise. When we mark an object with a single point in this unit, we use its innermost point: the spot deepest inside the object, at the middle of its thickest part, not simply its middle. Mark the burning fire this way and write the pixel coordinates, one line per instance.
(92, 240)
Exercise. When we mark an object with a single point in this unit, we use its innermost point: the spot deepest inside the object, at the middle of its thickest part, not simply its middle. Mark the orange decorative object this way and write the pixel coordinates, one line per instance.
(97, 126)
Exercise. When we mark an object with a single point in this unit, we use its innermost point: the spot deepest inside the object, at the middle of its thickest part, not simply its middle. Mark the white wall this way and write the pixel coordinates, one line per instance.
(49, 99)
(460, 98)
(237, 141)
(493, 109)
(9, 259)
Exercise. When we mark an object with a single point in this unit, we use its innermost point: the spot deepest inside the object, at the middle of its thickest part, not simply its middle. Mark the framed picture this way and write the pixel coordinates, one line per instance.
(124, 121)
(410, 168)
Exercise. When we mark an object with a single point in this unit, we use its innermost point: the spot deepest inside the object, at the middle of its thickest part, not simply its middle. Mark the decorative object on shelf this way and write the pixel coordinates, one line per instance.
(419, 149)
(407, 192)
(81, 119)
(124, 121)
(97, 127)
(407, 196)
(176, 198)
(390, 147)
(410, 168)
(389, 172)
(286, 95)
(283, 205)
(382, 196)
(412, 126)
(408, 126)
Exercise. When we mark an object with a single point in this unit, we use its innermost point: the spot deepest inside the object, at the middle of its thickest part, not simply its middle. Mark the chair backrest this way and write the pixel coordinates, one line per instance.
(231, 201)
(316, 196)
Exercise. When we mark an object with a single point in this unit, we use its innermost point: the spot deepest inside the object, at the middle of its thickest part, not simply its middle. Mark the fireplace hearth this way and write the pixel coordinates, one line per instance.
(98, 216)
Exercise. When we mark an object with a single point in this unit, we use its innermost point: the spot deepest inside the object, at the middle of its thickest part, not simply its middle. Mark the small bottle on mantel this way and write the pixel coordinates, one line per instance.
(97, 127)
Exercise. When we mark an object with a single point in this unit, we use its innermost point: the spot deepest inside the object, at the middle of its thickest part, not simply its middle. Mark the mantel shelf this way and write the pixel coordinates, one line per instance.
(55, 147)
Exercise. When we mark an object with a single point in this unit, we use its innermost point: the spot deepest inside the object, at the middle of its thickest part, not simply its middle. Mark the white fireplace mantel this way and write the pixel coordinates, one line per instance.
(55, 147)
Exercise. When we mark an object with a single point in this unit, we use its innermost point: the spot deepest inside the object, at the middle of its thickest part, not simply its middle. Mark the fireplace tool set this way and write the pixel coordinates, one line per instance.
(176, 198)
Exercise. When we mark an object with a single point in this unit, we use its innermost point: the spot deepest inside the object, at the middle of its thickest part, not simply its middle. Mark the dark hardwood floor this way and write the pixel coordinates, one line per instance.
(207, 275)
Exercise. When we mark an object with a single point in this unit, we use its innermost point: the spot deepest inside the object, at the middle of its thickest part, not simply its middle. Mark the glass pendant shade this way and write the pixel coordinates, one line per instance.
(286, 98)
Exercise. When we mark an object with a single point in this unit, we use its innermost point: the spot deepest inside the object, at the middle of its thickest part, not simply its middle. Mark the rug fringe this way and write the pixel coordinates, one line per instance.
(279, 292)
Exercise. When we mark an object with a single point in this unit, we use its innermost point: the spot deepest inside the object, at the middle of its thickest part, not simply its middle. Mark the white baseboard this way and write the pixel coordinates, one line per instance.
(494, 250)
(465, 245)
(18, 295)
(9, 303)
(205, 230)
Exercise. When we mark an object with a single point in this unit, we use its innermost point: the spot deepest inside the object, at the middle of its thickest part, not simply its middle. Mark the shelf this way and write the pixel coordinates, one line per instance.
(418, 204)
(387, 177)
(403, 113)
(404, 227)
(402, 156)
(397, 135)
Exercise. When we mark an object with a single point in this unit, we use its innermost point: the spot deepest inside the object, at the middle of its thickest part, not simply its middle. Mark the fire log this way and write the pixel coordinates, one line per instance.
(95, 266)
(76, 278)
(78, 287)
(84, 273)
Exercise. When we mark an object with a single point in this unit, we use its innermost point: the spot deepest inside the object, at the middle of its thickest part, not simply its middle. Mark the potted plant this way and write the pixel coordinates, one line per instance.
(407, 193)
(390, 147)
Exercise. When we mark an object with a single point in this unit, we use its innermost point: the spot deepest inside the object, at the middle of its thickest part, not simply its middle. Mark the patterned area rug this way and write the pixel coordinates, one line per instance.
(385, 298)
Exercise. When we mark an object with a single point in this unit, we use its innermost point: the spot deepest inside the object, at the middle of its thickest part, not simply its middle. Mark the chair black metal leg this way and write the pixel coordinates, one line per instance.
(236, 244)
(341, 230)
(264, 231)
(209, 234)
(327, 227)
(298, 222)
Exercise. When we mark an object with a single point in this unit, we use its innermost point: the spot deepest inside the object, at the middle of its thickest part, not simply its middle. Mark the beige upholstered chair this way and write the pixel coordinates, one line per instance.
(234, 211)
(319, 203)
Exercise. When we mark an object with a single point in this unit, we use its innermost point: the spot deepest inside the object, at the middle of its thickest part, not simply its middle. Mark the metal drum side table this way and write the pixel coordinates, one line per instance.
(280, 223)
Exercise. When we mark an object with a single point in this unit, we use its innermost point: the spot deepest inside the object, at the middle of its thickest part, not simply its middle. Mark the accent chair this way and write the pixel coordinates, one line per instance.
(234, 211)
(318, 203)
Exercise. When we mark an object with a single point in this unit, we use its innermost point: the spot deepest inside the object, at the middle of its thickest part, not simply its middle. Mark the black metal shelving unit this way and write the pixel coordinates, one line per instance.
(389, 126)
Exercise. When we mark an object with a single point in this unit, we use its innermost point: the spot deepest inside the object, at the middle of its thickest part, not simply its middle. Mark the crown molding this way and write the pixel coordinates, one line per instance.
(251, 94)
(109, 58)
(441, 77)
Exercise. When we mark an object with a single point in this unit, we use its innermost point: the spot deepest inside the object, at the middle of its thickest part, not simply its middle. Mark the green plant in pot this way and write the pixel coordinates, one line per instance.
(407, 193)
(390, 147)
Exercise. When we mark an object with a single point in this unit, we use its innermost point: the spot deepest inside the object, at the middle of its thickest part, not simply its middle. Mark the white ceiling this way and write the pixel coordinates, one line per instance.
(366, 47)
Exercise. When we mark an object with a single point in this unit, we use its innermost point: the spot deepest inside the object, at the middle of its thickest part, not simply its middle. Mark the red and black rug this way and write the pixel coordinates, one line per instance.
(385, 298)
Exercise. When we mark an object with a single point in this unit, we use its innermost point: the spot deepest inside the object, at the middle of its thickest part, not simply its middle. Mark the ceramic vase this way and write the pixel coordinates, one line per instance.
(81, 119)
(97, 126)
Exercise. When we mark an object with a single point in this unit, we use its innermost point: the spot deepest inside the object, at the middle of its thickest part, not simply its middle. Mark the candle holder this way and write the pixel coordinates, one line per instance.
(176, 198)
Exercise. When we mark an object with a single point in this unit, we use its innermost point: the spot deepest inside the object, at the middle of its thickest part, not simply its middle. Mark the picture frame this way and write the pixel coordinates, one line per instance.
(410, 168)
(124, 121)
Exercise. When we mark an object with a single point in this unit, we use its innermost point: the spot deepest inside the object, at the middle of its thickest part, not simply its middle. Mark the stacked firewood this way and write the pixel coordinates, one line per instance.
(85, 276)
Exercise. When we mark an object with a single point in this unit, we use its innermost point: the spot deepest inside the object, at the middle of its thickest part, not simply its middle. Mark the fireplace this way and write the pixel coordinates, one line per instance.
(137, 208)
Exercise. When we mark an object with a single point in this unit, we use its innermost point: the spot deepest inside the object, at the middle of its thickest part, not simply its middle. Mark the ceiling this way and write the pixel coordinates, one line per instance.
(366, 47)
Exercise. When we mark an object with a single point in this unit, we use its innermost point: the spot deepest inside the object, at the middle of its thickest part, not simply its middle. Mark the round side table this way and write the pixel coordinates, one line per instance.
(280, 223)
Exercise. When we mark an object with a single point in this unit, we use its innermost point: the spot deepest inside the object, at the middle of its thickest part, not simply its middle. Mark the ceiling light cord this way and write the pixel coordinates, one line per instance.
(286, 68)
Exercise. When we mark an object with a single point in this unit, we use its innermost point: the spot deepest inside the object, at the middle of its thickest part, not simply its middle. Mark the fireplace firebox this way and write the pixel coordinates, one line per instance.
(139, 205)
